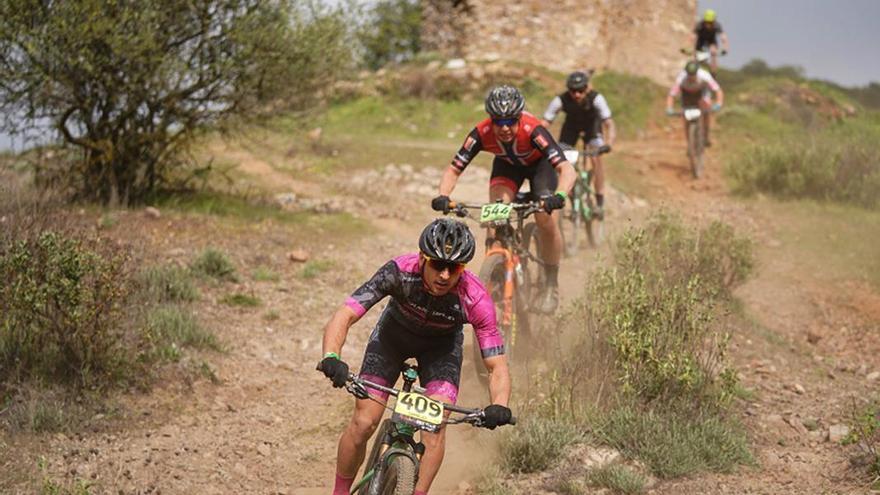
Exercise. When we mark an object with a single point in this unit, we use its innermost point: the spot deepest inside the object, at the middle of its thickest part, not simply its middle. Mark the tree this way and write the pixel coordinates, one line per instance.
(130, 82)
(391, 32)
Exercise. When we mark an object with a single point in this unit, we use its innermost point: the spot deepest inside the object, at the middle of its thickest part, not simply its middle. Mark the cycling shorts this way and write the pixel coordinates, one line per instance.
(439, 358)
(542, 176)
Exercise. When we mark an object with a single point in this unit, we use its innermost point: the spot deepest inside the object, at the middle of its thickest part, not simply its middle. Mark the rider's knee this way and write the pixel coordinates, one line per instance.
(545, 222)
(363, 424)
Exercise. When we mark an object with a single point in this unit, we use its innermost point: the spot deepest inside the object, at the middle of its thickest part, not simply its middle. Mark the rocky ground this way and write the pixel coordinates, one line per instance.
(269, 423)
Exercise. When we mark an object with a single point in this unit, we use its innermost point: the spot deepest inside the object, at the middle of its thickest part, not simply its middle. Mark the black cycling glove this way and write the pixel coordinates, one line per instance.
(335, 369)
(554, 202)
(496, 415)
(440, 203)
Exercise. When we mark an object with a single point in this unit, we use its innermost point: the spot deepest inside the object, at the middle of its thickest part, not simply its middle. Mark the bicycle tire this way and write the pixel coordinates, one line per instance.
(374, 453)
(399, 476)
(593, 225)
(694, 147)
(492, 274)
(570, 220)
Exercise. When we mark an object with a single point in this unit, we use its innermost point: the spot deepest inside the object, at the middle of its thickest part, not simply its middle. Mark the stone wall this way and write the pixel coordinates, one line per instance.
(636, 36)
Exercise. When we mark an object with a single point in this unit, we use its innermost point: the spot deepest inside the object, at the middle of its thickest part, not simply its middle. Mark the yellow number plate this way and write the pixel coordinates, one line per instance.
(495, 212)
(417, 406)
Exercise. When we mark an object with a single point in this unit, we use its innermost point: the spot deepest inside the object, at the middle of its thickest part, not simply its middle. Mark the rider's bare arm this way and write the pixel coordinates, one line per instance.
(449, 180)
(609, 130)
(499, 379)
(567, 176)
(719, 96)
(336, 329)
(724, 44)
(552, 110)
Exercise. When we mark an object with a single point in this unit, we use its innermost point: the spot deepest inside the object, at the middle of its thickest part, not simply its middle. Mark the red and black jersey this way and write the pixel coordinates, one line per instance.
(531, 143)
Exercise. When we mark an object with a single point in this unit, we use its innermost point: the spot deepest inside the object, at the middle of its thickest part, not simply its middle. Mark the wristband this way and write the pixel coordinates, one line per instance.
(562, 194)
(331, 355)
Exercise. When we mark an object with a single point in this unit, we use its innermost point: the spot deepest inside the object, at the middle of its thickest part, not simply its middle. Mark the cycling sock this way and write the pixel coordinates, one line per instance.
(600, 200)
(343, 485)
(419, 492)
(552, 272)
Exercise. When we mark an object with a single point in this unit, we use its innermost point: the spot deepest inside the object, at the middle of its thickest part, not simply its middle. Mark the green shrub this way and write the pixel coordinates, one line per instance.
(617, 478)
(537, 444)
(239, 299)
(841, 164)
(215, 264)
(392, 32)
(658, 309)
(675, 443)
(63, 309)
(171, 328)
(865, 433)
(265, 274)
(314, 268)
(168, 284)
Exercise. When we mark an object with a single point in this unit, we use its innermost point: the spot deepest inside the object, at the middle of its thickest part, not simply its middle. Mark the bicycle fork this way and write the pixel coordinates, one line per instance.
(511, 266)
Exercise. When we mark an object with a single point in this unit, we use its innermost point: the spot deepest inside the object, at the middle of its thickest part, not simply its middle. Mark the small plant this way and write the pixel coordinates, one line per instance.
(239, 299)
(865, 433)
(618, 478)
(168, 284)
(215, 264)
(171, 328)
(265, 274)
(314, 268)
(537, 444)
(271, 315)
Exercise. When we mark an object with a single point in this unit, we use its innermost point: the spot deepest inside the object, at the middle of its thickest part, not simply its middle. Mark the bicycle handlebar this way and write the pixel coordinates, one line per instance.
(525, 209)
(357, 386)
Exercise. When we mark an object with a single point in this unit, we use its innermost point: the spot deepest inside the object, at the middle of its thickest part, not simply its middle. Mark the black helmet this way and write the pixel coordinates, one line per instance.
(577, 80)
(691, 67)
(449, 240)
(504, 102)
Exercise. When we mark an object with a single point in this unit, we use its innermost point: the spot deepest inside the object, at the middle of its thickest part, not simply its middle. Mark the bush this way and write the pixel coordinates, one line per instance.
(537, 444)
(841, 164)
(239, 299)
(168, 284)
(618, 478)
(392, 32)
(658, 309)
(675, 443)
(63, 308)
(215, 264)
(865, 434)
(172, 328)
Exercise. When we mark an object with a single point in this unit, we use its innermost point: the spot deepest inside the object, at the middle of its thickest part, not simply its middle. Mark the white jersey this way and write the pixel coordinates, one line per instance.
(704, 82)
(599, 104)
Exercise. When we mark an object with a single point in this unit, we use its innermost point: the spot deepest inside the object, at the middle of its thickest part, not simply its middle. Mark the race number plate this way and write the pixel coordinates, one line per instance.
(418, 410)
(692, 114)
(495, 212)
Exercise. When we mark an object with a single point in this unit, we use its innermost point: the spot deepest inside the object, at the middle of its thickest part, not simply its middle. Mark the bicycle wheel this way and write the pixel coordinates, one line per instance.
(570, 220)
(594, 226)
(374, 454)
(493, 274)
(695, 148)
(399, 476)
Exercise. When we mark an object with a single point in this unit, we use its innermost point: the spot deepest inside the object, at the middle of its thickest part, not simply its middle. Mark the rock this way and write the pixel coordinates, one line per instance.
(152, 213)
(799, 389)
(837, 432)
(315, 134)
(872, 376)
(286, 199)
(263, 449)
(239, 469)
(813, 337)
(797, 425)
(298, 256)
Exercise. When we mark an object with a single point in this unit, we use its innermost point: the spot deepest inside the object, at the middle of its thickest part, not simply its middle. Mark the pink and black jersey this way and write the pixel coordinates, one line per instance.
(426, 315)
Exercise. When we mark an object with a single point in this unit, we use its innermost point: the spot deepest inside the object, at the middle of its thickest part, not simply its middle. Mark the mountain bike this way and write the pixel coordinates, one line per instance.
(702, 57)
(582, 200)
(392, 467)
(512, 270)
(696, 141)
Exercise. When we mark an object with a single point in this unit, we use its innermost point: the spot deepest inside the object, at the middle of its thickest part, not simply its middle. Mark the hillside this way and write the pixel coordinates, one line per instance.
(352, 189)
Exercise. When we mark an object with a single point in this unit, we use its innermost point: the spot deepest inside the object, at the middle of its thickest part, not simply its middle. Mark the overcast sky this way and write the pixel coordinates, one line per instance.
(837, 40)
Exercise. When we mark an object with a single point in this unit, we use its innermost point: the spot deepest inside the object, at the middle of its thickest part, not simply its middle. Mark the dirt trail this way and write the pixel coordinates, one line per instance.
(272, 423)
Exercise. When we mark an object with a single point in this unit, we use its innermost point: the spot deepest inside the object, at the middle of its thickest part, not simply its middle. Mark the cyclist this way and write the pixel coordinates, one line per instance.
(705, 37)
(587, 116)
(523, 149)
(696, 85)
(432, 297)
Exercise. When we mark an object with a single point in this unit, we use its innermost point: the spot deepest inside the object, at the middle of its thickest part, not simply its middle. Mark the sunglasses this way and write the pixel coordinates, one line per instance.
(505, 122)
(577, 91)
(440, 265)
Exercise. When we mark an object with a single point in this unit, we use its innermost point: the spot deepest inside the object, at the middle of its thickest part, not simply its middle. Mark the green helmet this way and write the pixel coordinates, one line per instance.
(691, 67)
(709, 15)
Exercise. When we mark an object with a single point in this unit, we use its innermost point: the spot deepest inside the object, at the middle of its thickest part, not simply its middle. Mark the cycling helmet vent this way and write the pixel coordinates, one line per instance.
(448, 240)
(505, 102)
